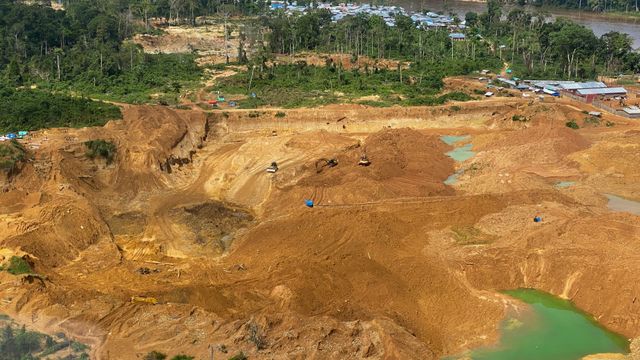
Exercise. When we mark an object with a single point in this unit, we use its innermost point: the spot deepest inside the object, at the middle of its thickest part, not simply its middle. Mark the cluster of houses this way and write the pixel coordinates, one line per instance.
(13, 136)
(388, 13)
(587, 92)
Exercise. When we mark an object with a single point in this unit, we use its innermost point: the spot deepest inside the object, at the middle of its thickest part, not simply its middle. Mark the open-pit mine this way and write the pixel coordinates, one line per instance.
(337, 232)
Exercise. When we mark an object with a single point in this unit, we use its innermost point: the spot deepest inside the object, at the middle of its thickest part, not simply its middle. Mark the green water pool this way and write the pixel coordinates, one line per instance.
(553, 329)
(452, 139)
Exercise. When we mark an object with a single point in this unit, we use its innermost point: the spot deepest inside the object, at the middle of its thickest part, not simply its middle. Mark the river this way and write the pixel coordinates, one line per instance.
(600, 24)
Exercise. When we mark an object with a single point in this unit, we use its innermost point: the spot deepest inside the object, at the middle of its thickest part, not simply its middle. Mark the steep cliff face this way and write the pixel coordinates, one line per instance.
(12, 158)
(62, 195)
(156, 138)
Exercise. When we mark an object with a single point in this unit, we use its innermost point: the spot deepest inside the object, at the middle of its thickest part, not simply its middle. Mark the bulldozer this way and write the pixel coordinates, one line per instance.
(364, 160)
(273, 168)
(144, 299)
(322, 163)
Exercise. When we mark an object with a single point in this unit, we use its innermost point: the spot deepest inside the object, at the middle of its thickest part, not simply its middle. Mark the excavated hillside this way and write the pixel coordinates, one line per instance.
(185, 244)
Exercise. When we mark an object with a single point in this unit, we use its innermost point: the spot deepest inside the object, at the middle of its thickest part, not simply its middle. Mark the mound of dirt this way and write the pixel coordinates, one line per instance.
(529, 158)
(404, 163)
(60, 233)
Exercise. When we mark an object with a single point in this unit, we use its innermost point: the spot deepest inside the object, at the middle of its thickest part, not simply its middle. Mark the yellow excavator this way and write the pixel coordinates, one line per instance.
(322, 163)
(144, 299)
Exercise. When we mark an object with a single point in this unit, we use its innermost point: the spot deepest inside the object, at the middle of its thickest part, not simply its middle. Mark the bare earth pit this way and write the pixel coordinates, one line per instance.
(391, 262)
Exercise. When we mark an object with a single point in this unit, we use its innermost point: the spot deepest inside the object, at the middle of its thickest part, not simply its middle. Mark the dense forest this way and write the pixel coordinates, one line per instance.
(80, 51)
(86, 50)
(540, 48)
(531, 44)
(27, 109)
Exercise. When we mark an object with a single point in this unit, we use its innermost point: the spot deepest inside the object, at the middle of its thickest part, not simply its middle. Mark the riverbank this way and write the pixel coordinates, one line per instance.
(616, 15)
(599, 23)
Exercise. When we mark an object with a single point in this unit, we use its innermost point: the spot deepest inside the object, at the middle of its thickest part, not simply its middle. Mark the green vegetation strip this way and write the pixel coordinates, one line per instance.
(291, 86)
(25, 109)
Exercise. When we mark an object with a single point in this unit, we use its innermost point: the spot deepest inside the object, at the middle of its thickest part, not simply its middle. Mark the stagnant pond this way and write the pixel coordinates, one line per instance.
(459, 154)
(551, 329)
(616, 203)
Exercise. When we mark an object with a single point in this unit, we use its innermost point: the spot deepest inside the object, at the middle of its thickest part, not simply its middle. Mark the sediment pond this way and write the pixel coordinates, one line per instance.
(550, 328)
(617, 203)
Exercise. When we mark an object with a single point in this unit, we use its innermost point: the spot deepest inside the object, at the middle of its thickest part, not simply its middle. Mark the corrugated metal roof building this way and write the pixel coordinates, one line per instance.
(583, 85)
(632, 111)
(590, 94)
(603, 91)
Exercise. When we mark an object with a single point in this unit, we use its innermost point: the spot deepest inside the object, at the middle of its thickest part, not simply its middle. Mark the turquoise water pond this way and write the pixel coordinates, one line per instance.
(452, 179)
(554, 329)
(452, 139)
(461, 153)
(564, 184)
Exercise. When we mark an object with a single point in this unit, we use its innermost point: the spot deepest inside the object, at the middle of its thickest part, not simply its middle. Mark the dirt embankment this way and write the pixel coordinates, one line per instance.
(364, 119)
(391, 263)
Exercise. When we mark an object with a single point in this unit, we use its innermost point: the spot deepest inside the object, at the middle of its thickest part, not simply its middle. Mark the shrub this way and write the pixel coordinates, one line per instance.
(455, 96)
(572, 124)
(182, 357)
(18, 265)
(609, 124)
(101, 148)
(519, 118)
(592, 120)
(280, 114)
(239, 356)
(155, 355)
(456, 108)
(78, 347)
(256, 336)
